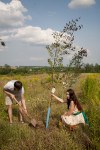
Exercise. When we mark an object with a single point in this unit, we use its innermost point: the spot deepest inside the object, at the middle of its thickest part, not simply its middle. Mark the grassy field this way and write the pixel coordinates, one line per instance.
(56, 136)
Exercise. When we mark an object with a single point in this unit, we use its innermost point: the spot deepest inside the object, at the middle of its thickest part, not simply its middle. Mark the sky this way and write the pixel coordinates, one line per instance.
(26, 27)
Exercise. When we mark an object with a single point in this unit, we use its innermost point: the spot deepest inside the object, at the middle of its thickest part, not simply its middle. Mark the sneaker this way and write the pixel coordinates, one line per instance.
(11, 124)
(22, 122)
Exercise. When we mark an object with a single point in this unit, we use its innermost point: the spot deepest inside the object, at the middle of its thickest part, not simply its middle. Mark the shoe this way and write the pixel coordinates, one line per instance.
(11, 124)
(22, 122)
(71, 128)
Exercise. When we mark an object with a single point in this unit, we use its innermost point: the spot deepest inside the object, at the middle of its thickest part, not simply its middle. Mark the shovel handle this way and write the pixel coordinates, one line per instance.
(22, 108)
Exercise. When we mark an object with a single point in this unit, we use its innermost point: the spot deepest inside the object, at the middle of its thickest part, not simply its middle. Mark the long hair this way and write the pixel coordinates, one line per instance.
(74, 99)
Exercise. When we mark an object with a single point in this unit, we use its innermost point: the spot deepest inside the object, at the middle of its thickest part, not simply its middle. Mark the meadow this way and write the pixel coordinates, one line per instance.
(57, 136)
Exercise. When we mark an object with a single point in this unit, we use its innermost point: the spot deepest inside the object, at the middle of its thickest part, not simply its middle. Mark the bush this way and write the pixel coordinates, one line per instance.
(91, 98)
(89, 88)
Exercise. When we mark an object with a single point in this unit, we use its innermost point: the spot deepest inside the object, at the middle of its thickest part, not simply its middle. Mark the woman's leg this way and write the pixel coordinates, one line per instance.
(20, 114)
(63, 115)
(67, 123)
(10, 113)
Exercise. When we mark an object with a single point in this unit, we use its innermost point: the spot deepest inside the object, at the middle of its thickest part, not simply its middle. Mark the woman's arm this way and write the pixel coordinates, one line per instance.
(8, 93)
(59, 99)
(72, 105)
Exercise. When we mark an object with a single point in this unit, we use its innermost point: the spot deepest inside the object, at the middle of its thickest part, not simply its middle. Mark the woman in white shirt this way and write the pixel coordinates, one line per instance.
(75, 115)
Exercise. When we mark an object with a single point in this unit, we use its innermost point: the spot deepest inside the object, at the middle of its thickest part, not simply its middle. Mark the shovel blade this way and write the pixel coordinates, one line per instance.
(33, 122)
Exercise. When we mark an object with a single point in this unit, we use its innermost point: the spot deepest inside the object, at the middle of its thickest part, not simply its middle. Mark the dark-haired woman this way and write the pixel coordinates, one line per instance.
(75, 115)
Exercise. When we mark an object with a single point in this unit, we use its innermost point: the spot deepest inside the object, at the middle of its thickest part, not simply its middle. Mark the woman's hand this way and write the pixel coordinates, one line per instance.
(52, 94)
(25, 110)
(12, 96)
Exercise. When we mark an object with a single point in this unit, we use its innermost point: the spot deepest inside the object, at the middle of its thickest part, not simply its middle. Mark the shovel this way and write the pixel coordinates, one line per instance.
(32, 121)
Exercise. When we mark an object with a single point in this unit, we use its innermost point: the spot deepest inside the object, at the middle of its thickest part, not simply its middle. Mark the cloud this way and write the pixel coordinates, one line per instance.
(35, 35)
(36, 58)
(11, 14)
(81, 3)
(2, 48)
(30, 34)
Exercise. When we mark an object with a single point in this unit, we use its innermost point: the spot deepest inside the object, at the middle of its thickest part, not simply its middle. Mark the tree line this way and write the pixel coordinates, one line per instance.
(25, 70)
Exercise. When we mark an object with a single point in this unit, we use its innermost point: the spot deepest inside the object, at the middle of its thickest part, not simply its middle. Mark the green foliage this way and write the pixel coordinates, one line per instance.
(72, 26)
(63, 44)
(90, 68)
(90, 88)
(76, 61)
(84, 68)
(91, 91)
(56, 136)
(57, 49)
(49, 79)
(12, 136)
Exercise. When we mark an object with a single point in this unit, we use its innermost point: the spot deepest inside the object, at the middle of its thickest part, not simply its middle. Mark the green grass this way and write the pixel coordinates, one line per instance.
(56, 136)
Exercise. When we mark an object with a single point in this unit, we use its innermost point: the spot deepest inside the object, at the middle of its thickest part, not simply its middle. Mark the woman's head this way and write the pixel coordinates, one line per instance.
(70, 94)
(18, 85)
(72, 97)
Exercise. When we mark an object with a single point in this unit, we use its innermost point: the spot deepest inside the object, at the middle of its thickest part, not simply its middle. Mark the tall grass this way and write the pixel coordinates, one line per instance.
(56, 136)
(13, 137)
(91, 98)
(90, 87)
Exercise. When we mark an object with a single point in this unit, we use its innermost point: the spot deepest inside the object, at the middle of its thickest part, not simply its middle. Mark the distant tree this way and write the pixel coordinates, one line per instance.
(89, 68)
(7, 66)
(97, 68)
(5, 70)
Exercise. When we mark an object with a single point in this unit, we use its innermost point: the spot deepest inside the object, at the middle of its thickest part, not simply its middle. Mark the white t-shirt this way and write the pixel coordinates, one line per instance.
(10, 88)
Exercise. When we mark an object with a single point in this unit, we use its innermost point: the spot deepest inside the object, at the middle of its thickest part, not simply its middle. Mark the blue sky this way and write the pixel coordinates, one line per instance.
(26, 27)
